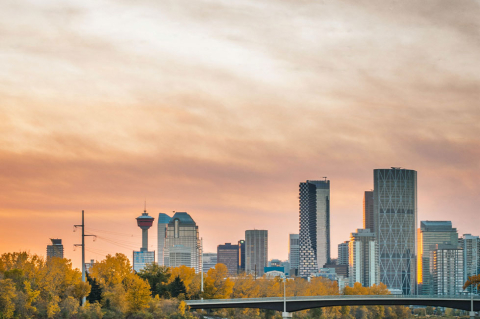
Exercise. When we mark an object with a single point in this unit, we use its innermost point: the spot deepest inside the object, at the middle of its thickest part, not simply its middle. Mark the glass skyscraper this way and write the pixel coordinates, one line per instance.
(293, 253)
(163, 220)
(182, 232)
(395, 220)
(430, 234)
(314, 226)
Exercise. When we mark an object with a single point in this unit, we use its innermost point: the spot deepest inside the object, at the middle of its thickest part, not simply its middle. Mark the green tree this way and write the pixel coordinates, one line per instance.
(157, 277)
(95, 294)
(177, 287)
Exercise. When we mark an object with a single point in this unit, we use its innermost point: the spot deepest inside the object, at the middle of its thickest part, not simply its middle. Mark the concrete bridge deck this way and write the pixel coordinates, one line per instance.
(301, 303)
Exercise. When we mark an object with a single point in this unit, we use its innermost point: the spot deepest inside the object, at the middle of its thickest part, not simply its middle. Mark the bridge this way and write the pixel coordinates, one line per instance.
(293, 304)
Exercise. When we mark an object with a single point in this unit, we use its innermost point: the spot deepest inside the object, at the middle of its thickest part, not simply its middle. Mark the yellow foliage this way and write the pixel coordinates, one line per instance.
(472, 280)
(217, 284)
(182, 306)
(7, 295)
(137, 293)
(112, 270)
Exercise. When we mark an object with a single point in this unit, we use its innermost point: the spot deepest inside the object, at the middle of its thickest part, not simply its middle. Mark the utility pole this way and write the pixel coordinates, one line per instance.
(84, 299)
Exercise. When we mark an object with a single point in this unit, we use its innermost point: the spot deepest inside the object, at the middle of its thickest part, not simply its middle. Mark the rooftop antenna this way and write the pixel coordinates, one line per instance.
(325, 178)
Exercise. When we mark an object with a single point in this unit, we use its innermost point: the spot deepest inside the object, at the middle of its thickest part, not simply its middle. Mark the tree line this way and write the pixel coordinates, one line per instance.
(32, 287)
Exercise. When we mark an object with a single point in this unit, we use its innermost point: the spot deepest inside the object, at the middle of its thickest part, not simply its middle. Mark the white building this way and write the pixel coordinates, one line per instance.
(363, 258)
(446, 268)
(471, 257)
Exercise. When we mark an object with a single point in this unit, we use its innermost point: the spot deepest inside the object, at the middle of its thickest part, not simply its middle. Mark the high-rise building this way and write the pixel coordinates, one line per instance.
(429, 234)
(471, 257)
(446, 264)
(144, 256)
(209, 261)
(363, 258)
(256, 251)
(228, 255)
(163, 220)
(395, 220)
(183, 231)
(241, 256)
(180, 255)
(294, 254)
(314, 226)
(55, 249)
(368, 221)
(343, 253)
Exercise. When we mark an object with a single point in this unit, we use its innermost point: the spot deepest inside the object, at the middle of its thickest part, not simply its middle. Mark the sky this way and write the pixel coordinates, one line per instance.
(221, 108)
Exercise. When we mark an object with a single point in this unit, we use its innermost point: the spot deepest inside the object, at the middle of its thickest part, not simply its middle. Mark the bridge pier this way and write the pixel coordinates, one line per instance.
(286, 315)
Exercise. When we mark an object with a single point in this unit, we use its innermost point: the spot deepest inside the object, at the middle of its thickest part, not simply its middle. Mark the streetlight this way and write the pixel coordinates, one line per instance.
(285, 314)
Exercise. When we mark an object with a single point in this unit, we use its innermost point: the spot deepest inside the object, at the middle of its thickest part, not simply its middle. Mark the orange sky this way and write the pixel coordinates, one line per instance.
(221, 108)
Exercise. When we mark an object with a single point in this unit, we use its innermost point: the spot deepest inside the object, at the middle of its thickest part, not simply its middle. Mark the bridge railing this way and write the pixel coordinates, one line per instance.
(300, 298)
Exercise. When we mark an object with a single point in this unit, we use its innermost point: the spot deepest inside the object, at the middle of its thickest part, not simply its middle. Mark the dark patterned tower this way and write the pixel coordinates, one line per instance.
(314, 226)
(395, 220)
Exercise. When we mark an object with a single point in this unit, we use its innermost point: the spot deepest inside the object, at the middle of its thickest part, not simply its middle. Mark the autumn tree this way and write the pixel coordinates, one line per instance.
(157, 277)
(217, 284)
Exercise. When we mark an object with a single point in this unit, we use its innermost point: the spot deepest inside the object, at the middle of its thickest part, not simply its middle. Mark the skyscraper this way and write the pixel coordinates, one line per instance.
(314, 226)
(55, 249)
(241, 256)
(294, 253)
(256, 251)
(395, 220)
(471, 257)
(431, 233)
(228, 255)
(343, 253)
(209, 261)
(363, 258)
(368, 221)
(183, 231)
(143, 257)
(163, 220)
(446, 264)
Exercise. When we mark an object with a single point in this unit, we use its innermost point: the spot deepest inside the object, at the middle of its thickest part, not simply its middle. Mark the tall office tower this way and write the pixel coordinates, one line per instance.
(256, 251)
(183, 231)
(429, 234)
(228, 255)
(363, 258)
(163, 220)
(395, 220)
(55, 249)
(241, 256)
(209, 261)
(368, 221)
(314, 226)
(143, 257)
(446, 264)
(471, 257)
(343, 253)
(294, 254)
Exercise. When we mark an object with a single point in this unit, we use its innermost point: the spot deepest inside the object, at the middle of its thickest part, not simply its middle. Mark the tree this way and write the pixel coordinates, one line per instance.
(112, 270)
(472, 281)
(429, 310)
(7, 295)
(157, 277)
(177, 287)
(95, 294)
(217, 284)
(137, 293)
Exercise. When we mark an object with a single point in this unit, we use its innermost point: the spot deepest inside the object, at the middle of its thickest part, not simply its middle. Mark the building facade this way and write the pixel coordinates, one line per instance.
(314, 226)
(55, 249)
(446, 267)
(294, 254)
(471, 257)
(163, 220)
(395, 220)
(343, 253)
(144, 256)
(228, 255)
(183, 231)
(429, 234)
(368, 220)
(256, 251)
(363, 258)
(180, 255)
(209, 261)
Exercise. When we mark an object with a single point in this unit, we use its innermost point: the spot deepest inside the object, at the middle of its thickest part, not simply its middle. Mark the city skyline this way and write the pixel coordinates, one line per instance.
(220, 109)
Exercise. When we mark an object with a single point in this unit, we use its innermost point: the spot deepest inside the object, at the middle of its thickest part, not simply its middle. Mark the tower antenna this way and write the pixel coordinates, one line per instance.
(325, 178)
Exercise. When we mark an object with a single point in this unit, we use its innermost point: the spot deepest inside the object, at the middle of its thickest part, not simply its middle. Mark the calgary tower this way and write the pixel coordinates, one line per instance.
(143, 257)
